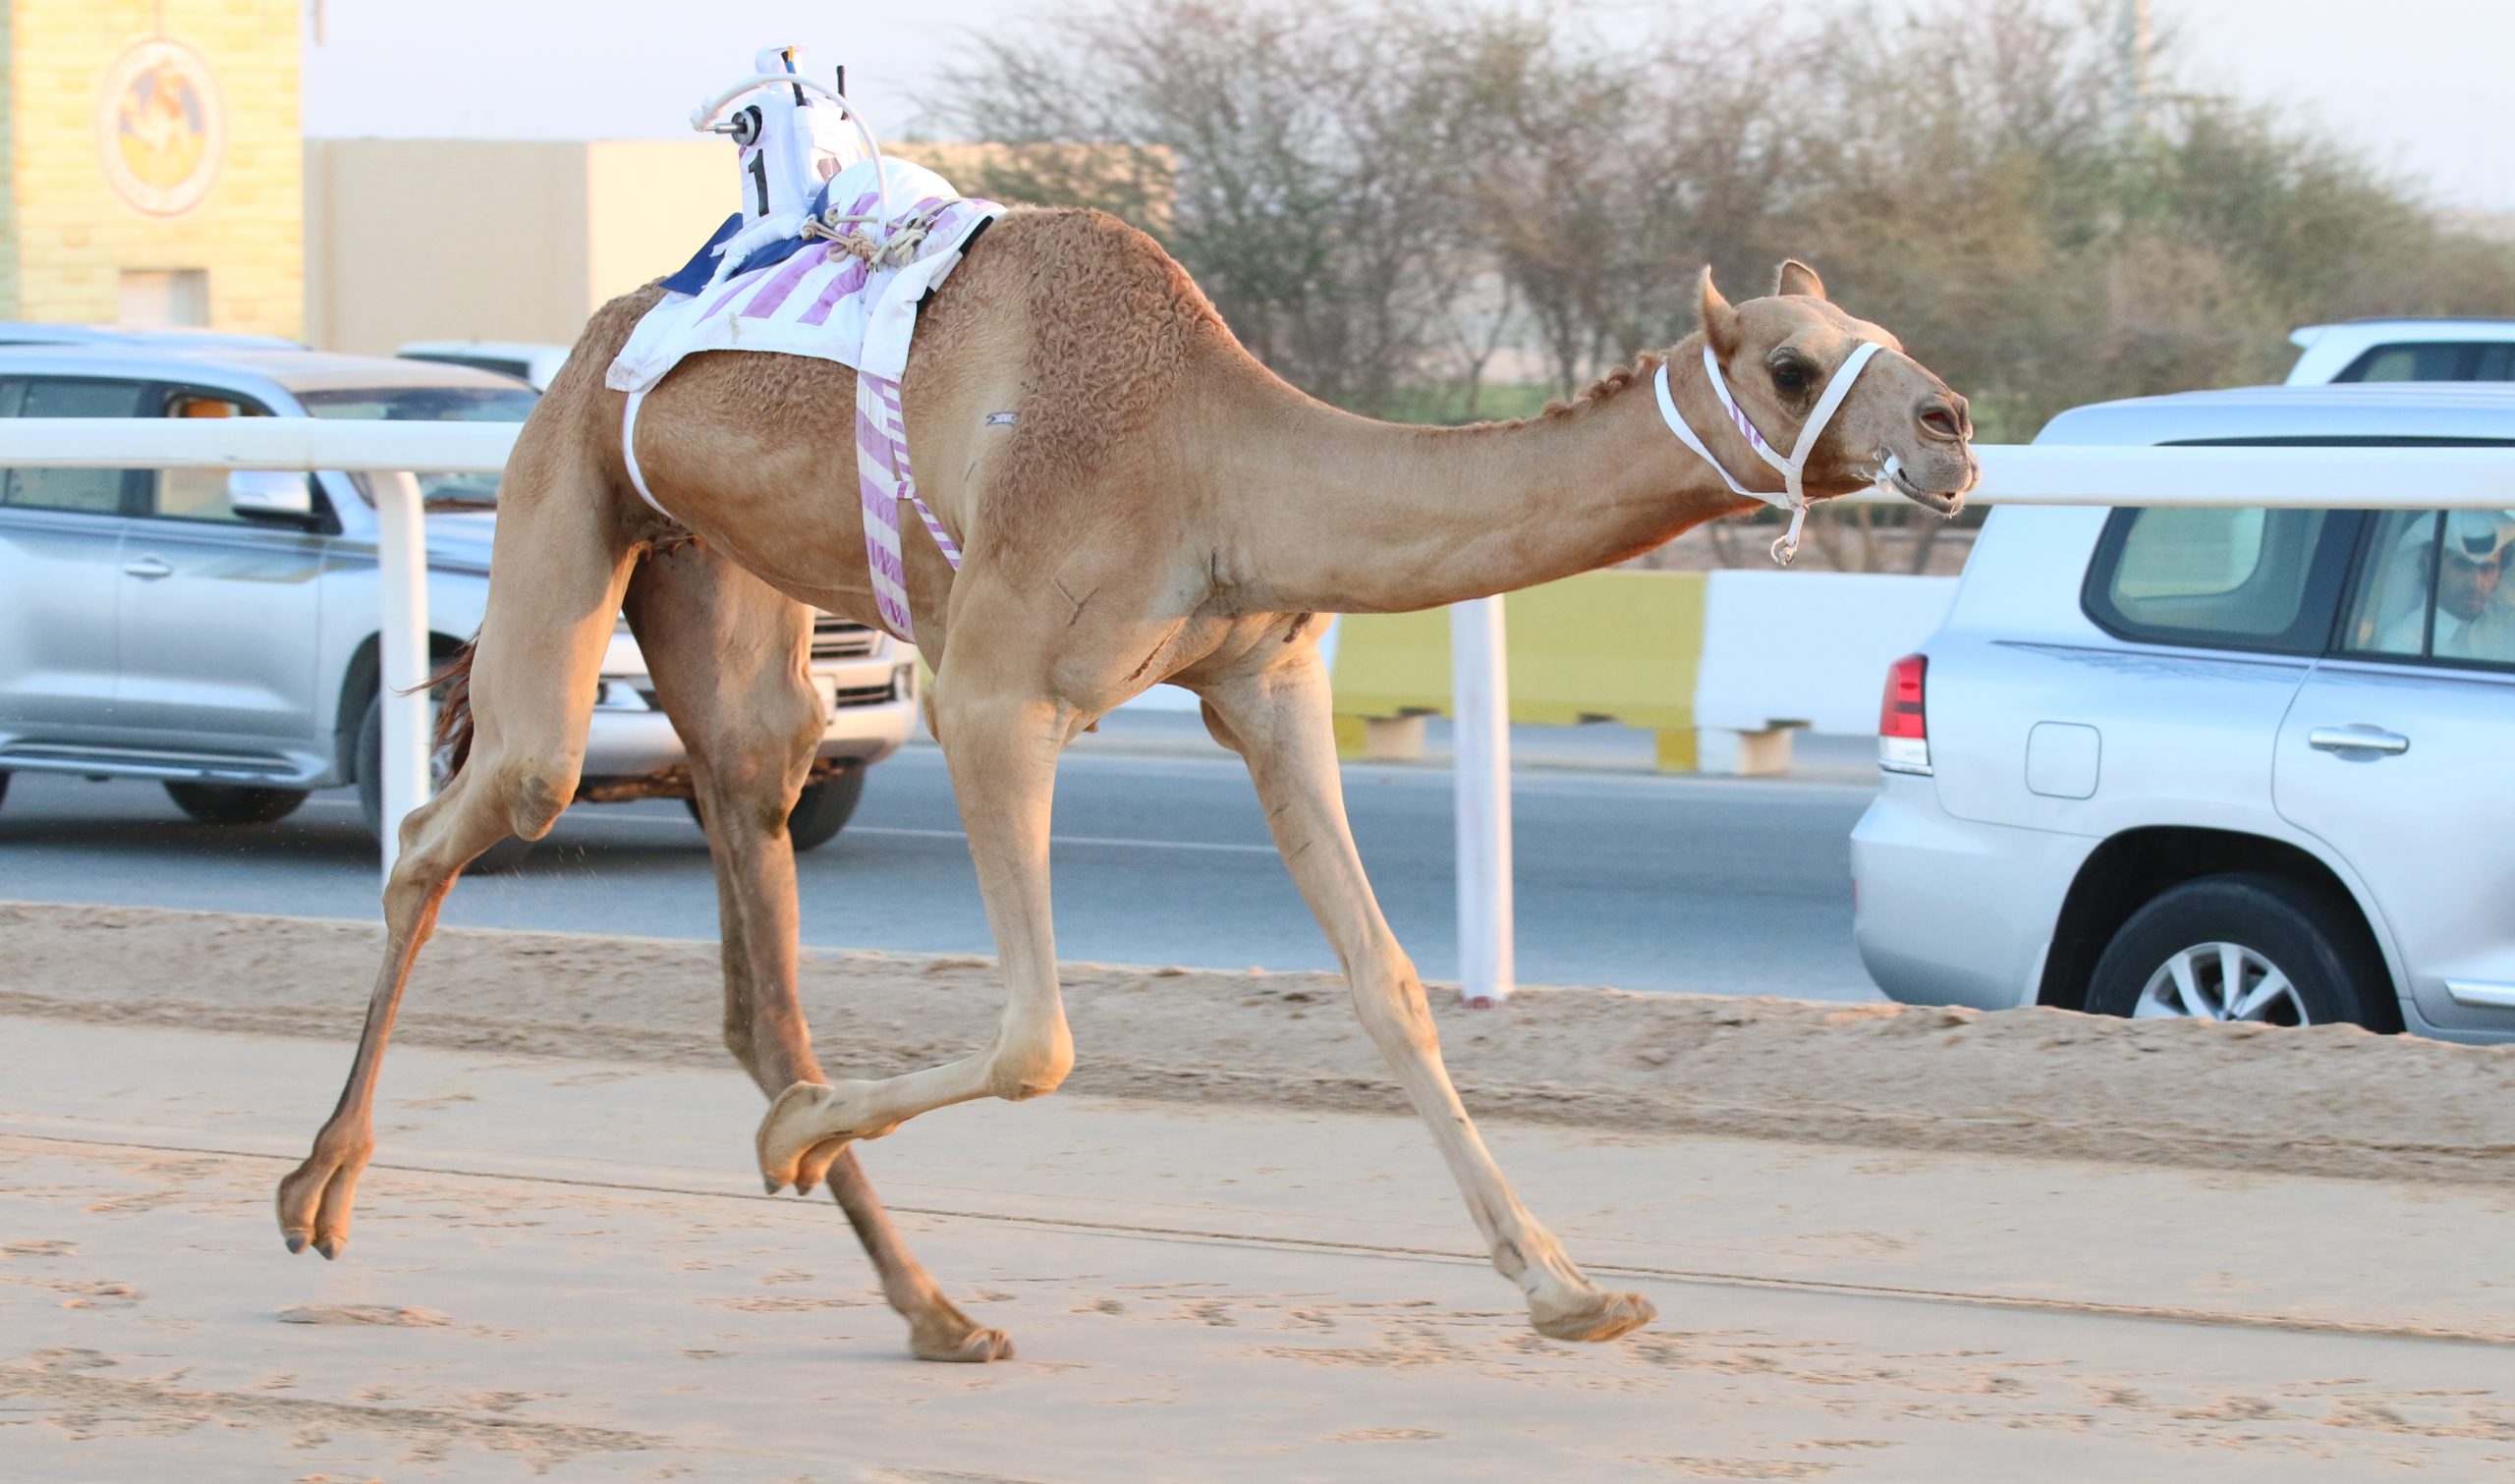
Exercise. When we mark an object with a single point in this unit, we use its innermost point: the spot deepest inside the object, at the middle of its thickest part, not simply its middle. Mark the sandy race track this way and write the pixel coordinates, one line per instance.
(2025, 1246)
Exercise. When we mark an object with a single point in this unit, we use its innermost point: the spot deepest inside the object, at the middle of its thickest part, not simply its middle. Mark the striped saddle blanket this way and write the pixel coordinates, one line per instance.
(842, 283)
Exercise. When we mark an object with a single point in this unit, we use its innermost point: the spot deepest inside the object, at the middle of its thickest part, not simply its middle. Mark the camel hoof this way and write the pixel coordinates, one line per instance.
(974, 1346)
(814, 1169)
(1600, 1316)
(314, 1201)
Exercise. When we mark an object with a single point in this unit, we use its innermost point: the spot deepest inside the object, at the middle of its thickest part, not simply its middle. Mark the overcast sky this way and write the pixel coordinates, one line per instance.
(2423, 85)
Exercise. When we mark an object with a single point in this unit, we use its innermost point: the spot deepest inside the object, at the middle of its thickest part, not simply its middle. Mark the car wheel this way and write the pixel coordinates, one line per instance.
(4, 786)
(230, 803)
(2243, 948)
(820, 811)
(505, 855)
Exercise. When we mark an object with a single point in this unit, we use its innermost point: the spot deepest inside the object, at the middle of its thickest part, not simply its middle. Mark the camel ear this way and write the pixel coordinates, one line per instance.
(1719, 320)
(1796, 277)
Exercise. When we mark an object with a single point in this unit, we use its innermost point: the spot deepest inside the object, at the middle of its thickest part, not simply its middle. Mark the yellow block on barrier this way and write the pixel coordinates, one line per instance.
(1620, 647)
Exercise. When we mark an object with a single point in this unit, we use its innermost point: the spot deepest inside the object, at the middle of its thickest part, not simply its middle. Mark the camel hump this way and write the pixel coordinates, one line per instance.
(1114, 325)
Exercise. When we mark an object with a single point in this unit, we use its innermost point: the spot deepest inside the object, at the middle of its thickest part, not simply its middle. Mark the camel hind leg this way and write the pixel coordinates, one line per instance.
(1279, 720)
(565, 557)
(727, 655)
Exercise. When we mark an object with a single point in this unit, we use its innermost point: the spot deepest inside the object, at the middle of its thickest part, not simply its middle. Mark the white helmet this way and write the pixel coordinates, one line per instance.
(2477, 536)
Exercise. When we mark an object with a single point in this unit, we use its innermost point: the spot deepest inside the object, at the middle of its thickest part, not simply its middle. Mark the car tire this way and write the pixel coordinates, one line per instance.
(234, 804)
(820, 811)
(505, 855)
(4, 786)
(2293, 954)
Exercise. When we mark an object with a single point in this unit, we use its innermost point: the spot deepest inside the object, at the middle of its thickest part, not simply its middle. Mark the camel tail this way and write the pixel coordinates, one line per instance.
(452, 683)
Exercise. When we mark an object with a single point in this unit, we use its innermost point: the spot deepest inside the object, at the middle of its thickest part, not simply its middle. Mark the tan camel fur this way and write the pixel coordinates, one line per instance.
(1160, 508)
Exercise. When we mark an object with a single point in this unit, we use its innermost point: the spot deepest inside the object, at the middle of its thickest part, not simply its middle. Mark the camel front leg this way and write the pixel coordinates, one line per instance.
(1003, 751)
(533, 680)
(1281, 722)
(438, 839)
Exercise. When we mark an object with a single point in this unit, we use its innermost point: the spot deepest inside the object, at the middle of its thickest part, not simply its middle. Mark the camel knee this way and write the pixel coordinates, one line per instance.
(532, 793)
(1031, 1068)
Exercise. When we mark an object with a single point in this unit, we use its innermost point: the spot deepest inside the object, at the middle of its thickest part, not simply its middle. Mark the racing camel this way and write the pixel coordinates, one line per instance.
(1137, 500)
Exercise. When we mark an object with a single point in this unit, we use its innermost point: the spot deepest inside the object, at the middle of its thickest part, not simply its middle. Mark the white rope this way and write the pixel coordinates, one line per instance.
(629, 454)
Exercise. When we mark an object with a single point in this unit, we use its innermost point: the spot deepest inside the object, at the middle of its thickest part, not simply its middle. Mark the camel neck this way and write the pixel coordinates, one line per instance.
(1361, 516)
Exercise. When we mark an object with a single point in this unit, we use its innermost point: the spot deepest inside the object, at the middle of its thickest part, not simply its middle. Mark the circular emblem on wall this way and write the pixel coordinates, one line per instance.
(160, 128)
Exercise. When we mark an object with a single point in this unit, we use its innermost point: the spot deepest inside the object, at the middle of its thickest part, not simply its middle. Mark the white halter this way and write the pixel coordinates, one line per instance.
(1790, 497)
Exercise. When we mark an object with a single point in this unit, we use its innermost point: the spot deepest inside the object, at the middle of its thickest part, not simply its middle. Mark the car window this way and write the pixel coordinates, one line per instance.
(89, 491)
(502, 364)
(435, 403)
(194, 494)
(2235, 578)
(2434, 361)
(2433, 589)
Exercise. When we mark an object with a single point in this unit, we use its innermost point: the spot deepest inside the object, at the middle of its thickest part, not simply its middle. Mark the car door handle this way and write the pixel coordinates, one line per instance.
(2356, 740)
(151, 568)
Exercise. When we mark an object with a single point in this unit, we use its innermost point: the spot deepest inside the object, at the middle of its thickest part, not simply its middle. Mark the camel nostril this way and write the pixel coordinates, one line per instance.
(1941, 420)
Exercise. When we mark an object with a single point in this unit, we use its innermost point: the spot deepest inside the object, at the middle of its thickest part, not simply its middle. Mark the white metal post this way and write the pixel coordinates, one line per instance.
(402, 641)
(1480, 704)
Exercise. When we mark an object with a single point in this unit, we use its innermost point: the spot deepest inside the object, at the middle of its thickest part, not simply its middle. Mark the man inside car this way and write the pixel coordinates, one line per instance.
(2472, 622)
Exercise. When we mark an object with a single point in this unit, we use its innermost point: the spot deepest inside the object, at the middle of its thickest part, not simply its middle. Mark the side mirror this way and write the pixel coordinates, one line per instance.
(267, 494)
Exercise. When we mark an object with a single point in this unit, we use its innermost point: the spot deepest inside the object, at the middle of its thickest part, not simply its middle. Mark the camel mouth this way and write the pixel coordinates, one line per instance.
(1945, 503)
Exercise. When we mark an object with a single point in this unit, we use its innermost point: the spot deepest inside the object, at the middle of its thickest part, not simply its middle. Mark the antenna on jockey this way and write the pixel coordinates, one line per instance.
(794, 134)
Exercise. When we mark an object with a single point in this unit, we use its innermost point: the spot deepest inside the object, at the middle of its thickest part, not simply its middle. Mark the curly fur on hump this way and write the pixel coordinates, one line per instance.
(1115, 322)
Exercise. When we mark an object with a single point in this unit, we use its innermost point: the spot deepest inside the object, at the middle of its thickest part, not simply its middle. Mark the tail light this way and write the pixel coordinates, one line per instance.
(1903, 723)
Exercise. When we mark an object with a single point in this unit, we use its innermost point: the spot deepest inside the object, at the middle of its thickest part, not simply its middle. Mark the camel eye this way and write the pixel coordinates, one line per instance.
(1790, 378)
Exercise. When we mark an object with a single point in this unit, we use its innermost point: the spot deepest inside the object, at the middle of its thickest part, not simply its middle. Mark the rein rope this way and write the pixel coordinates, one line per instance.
(845, 231)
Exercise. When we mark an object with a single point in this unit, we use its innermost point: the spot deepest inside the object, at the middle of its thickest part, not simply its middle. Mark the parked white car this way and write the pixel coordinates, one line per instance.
(217, 633)
(2404, 350)
(2240, 764)
(535, 364)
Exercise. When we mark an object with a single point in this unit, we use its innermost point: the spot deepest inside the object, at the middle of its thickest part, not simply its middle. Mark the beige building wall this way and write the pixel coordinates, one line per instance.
(507, 240)
(219, 188)
(496, 240)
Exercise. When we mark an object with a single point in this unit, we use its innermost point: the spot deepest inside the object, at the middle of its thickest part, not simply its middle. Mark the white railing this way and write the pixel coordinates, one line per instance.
(2351, 479)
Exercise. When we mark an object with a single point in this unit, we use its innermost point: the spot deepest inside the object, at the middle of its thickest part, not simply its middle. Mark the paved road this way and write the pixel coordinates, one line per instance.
(1625, 879)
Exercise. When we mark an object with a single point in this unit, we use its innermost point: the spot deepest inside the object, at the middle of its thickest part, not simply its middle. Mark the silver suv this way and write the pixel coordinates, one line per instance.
(217, 631)
(2240, 764)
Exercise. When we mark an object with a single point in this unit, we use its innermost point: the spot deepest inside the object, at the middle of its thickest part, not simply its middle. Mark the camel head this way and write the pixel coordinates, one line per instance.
(1898, 426)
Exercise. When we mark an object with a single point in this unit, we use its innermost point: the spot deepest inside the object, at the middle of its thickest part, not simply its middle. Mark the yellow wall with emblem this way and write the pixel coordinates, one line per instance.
(67, 237)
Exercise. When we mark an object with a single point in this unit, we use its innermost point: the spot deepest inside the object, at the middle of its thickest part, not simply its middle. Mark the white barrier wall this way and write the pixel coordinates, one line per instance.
(1809, 648)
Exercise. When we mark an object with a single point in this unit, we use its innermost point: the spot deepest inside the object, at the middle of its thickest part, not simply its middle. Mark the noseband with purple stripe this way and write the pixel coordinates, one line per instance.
(1791, 496)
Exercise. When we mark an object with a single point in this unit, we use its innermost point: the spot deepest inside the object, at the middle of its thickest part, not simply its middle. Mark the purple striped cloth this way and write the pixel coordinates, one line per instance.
(826, 301)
